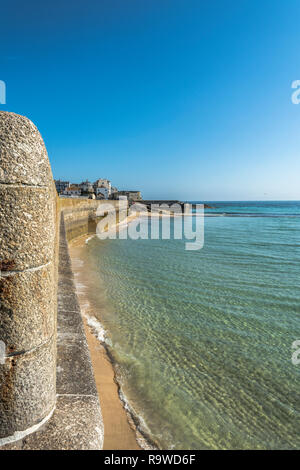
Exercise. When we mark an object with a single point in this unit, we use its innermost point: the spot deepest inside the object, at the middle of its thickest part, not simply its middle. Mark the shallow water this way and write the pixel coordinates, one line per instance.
(203, 338)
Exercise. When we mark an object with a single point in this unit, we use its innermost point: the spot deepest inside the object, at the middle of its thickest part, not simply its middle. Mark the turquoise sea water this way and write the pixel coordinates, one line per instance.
(203, 339)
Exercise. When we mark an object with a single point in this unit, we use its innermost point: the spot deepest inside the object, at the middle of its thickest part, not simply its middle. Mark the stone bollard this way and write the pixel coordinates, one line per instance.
(27, 279)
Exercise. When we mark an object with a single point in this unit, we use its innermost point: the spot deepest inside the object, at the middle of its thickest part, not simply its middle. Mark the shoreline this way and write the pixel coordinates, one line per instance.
(119, 433)
(122, 427)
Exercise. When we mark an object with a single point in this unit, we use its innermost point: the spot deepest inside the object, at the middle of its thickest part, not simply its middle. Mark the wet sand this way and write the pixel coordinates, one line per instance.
(118, 433)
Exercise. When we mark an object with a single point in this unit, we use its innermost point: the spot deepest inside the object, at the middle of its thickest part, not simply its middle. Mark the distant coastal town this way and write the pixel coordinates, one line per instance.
(100, 189)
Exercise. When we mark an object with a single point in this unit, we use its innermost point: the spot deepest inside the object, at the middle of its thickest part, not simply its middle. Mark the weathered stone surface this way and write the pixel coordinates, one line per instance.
(17, 445)
(74, 371)
(80, 216)
(74, 368)
(27, 227)
(27, 309)
(27, 389)
(67, 300)
(27, 381)
(27, 276)
(65, 285)
(23, 156)
(76, 424)
(70, 322)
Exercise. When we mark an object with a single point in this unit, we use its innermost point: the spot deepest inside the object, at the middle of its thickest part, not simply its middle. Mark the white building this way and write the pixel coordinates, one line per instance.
(103, 191)
(103, 183)
(73, 191)
(86, 187)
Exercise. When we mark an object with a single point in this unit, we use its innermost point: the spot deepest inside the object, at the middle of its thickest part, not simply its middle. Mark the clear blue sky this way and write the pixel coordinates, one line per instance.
(183, 99)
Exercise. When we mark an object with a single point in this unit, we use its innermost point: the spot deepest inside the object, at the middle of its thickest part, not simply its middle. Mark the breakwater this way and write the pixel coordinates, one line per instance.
(48, 398)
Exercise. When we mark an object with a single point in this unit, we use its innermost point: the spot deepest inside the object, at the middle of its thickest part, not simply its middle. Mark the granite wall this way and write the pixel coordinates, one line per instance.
(43, 401)
(80, 215)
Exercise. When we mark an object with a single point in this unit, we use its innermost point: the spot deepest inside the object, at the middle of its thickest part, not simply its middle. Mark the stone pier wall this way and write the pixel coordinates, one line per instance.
(80, 215)
(28, 264)
(48, 398)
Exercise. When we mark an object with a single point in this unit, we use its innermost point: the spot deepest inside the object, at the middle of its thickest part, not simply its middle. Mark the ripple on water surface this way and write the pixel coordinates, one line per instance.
(203, 339)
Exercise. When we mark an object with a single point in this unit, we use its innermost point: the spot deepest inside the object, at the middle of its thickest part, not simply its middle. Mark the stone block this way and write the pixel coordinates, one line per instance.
(27, 389)
(23, 156)
(76, 424)
(27, 309)
(74, 368)
(27, 222)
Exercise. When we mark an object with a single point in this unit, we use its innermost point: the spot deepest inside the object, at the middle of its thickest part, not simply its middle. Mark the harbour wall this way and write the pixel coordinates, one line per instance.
(48, 397)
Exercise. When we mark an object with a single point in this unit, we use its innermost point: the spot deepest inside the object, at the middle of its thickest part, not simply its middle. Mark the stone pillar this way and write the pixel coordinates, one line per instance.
(27, 279)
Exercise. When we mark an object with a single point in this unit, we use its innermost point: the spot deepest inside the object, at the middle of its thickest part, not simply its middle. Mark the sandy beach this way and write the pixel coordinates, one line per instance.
(119, 433)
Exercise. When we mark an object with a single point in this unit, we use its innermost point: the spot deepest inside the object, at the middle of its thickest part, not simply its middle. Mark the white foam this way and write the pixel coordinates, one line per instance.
(98, 329)
(77, 262)
(89, 238)
(79, 286)
(101, 334)
(85, 306)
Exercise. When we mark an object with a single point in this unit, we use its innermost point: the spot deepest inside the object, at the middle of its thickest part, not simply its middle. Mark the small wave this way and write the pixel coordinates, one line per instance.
(136, 421)
(79, 286)
(98, 329)
(89, 238)
(77, 262)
